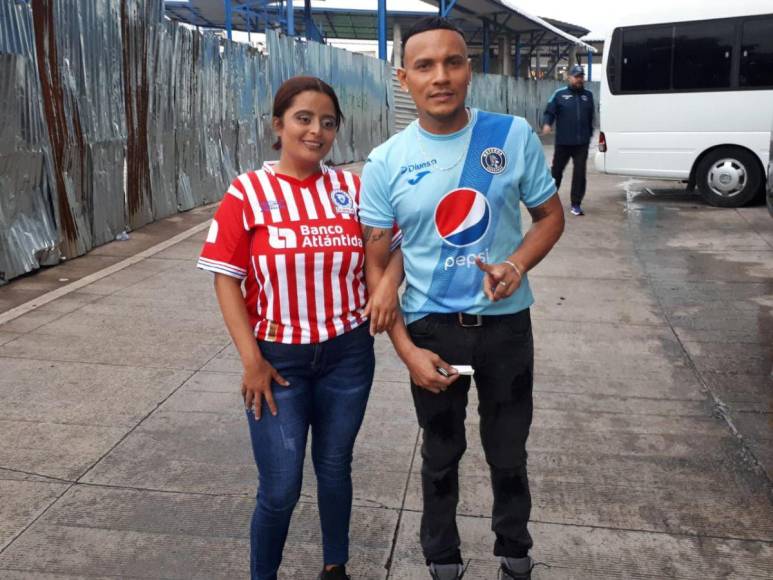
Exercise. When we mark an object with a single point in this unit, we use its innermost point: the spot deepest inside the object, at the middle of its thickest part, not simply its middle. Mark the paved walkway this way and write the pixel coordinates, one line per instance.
(125, 454)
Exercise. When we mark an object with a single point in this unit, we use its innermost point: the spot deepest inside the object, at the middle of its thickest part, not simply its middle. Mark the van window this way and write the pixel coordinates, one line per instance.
(703, 55)
(646, 59)
(757, 53)
(612, 61)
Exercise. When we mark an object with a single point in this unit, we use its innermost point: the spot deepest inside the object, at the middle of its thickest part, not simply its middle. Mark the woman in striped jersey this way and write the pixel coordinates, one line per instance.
(290, 231)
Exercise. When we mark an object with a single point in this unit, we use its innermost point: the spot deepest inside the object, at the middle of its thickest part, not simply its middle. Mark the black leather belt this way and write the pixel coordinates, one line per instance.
(469, 320)
(462, 319)
(473, 320)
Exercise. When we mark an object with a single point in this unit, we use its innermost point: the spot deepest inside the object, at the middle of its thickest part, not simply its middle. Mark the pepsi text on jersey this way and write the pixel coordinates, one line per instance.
(462, 220)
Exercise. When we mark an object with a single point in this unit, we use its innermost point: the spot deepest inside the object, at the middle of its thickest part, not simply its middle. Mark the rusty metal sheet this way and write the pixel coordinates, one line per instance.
(28, 234)
(113, 118)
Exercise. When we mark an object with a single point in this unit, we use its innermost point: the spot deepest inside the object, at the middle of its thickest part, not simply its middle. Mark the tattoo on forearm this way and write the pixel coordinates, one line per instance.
(371, 234)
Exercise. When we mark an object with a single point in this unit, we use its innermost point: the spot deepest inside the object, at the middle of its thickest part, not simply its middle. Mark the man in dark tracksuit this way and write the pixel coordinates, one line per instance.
(571, 108)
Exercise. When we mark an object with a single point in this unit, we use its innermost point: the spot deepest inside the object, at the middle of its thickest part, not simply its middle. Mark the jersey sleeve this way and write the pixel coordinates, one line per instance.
(227, 248)
(397, 234)
(537, 184)
(375, 208)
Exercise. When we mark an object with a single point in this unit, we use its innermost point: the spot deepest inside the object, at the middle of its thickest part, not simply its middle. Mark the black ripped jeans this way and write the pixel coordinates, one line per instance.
(502, 353)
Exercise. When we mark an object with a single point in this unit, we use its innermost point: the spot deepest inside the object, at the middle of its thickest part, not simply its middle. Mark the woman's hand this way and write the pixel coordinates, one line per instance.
(382, 306)
(258, 373)
(256, 386)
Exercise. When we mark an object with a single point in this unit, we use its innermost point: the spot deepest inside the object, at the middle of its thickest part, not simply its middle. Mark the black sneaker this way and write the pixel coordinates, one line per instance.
(337, 573)
(524, 572)
(446, 571)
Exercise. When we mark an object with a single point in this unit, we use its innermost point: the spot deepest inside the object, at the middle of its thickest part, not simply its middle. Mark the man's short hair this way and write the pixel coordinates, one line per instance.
(431, 23)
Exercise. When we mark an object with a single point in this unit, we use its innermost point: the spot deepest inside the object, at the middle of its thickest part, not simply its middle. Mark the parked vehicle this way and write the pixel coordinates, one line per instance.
(769, 195)
(691, 100)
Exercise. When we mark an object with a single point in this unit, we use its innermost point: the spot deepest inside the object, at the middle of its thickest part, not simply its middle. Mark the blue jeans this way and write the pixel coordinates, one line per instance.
(329, 387)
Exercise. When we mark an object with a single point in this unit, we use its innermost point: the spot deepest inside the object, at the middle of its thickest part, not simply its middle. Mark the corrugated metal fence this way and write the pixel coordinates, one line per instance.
(495, 93)
(111, 117)
(405, 109)
(519, 97)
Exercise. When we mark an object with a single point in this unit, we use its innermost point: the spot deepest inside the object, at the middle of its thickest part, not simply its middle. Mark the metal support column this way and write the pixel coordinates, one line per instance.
(397, 45)
(486, 45)
(590, 65)
(517, 56)
(537, 65)
(290, 19)
(382, 29)
(445, 7)
(228, 19)
(249, 30)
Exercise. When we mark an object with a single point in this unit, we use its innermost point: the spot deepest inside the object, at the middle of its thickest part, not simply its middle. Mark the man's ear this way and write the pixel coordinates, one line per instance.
(401, 74)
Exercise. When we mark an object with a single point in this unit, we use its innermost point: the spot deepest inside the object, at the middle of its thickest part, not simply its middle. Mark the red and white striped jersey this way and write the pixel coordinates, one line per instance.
(297, 244)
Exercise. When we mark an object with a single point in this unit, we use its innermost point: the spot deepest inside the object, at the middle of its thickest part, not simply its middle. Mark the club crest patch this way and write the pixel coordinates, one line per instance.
(493, 160)
(343, 202)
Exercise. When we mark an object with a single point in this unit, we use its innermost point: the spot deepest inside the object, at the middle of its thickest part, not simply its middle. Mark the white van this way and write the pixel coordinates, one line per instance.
(769, 195)
(690, 100)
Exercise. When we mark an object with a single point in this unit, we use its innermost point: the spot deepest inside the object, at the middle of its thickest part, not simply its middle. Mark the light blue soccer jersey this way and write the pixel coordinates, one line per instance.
(456, 197)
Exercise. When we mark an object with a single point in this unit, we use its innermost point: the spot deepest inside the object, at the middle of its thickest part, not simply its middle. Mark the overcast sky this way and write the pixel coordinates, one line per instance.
(599, 16)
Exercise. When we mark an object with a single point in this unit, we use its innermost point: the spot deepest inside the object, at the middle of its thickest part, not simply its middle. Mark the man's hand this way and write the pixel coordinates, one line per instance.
(423, 364)
(547, 129)
(499, 280)
(382, 306)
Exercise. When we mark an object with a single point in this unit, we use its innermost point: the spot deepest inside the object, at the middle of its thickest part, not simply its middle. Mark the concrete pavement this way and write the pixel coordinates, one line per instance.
(125, 453)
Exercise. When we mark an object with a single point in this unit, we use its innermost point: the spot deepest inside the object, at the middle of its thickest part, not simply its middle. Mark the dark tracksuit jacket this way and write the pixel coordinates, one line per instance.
(572, 111)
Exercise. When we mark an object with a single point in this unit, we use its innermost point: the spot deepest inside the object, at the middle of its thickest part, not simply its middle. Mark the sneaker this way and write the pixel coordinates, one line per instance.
(337, 573)
(519, 568)
(577, 210)
(446, 571)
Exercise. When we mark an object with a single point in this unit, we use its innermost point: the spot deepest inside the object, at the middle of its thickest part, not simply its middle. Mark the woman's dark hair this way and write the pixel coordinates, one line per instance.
(294, 86)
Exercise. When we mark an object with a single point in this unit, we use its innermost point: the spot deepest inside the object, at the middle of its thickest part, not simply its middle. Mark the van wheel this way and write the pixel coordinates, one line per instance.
(728, 177)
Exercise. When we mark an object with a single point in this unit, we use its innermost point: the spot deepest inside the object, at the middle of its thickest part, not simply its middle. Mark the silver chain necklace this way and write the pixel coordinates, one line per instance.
(426, 156)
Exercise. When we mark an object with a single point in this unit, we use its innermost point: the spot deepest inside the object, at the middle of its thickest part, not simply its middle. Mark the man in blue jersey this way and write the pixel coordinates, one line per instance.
(454, 181)
(571, 108)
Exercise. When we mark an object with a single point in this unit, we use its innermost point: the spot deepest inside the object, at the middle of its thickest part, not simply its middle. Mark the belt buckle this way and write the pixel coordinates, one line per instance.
(478, 320)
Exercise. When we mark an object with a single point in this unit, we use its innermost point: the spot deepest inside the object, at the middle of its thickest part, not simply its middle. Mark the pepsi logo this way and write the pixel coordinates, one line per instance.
(462, 217)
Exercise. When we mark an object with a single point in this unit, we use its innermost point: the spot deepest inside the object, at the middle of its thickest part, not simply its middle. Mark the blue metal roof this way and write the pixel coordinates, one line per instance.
(361, 24)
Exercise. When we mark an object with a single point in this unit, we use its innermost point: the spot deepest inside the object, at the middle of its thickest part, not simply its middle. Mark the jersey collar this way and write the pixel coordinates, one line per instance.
(270, 167)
